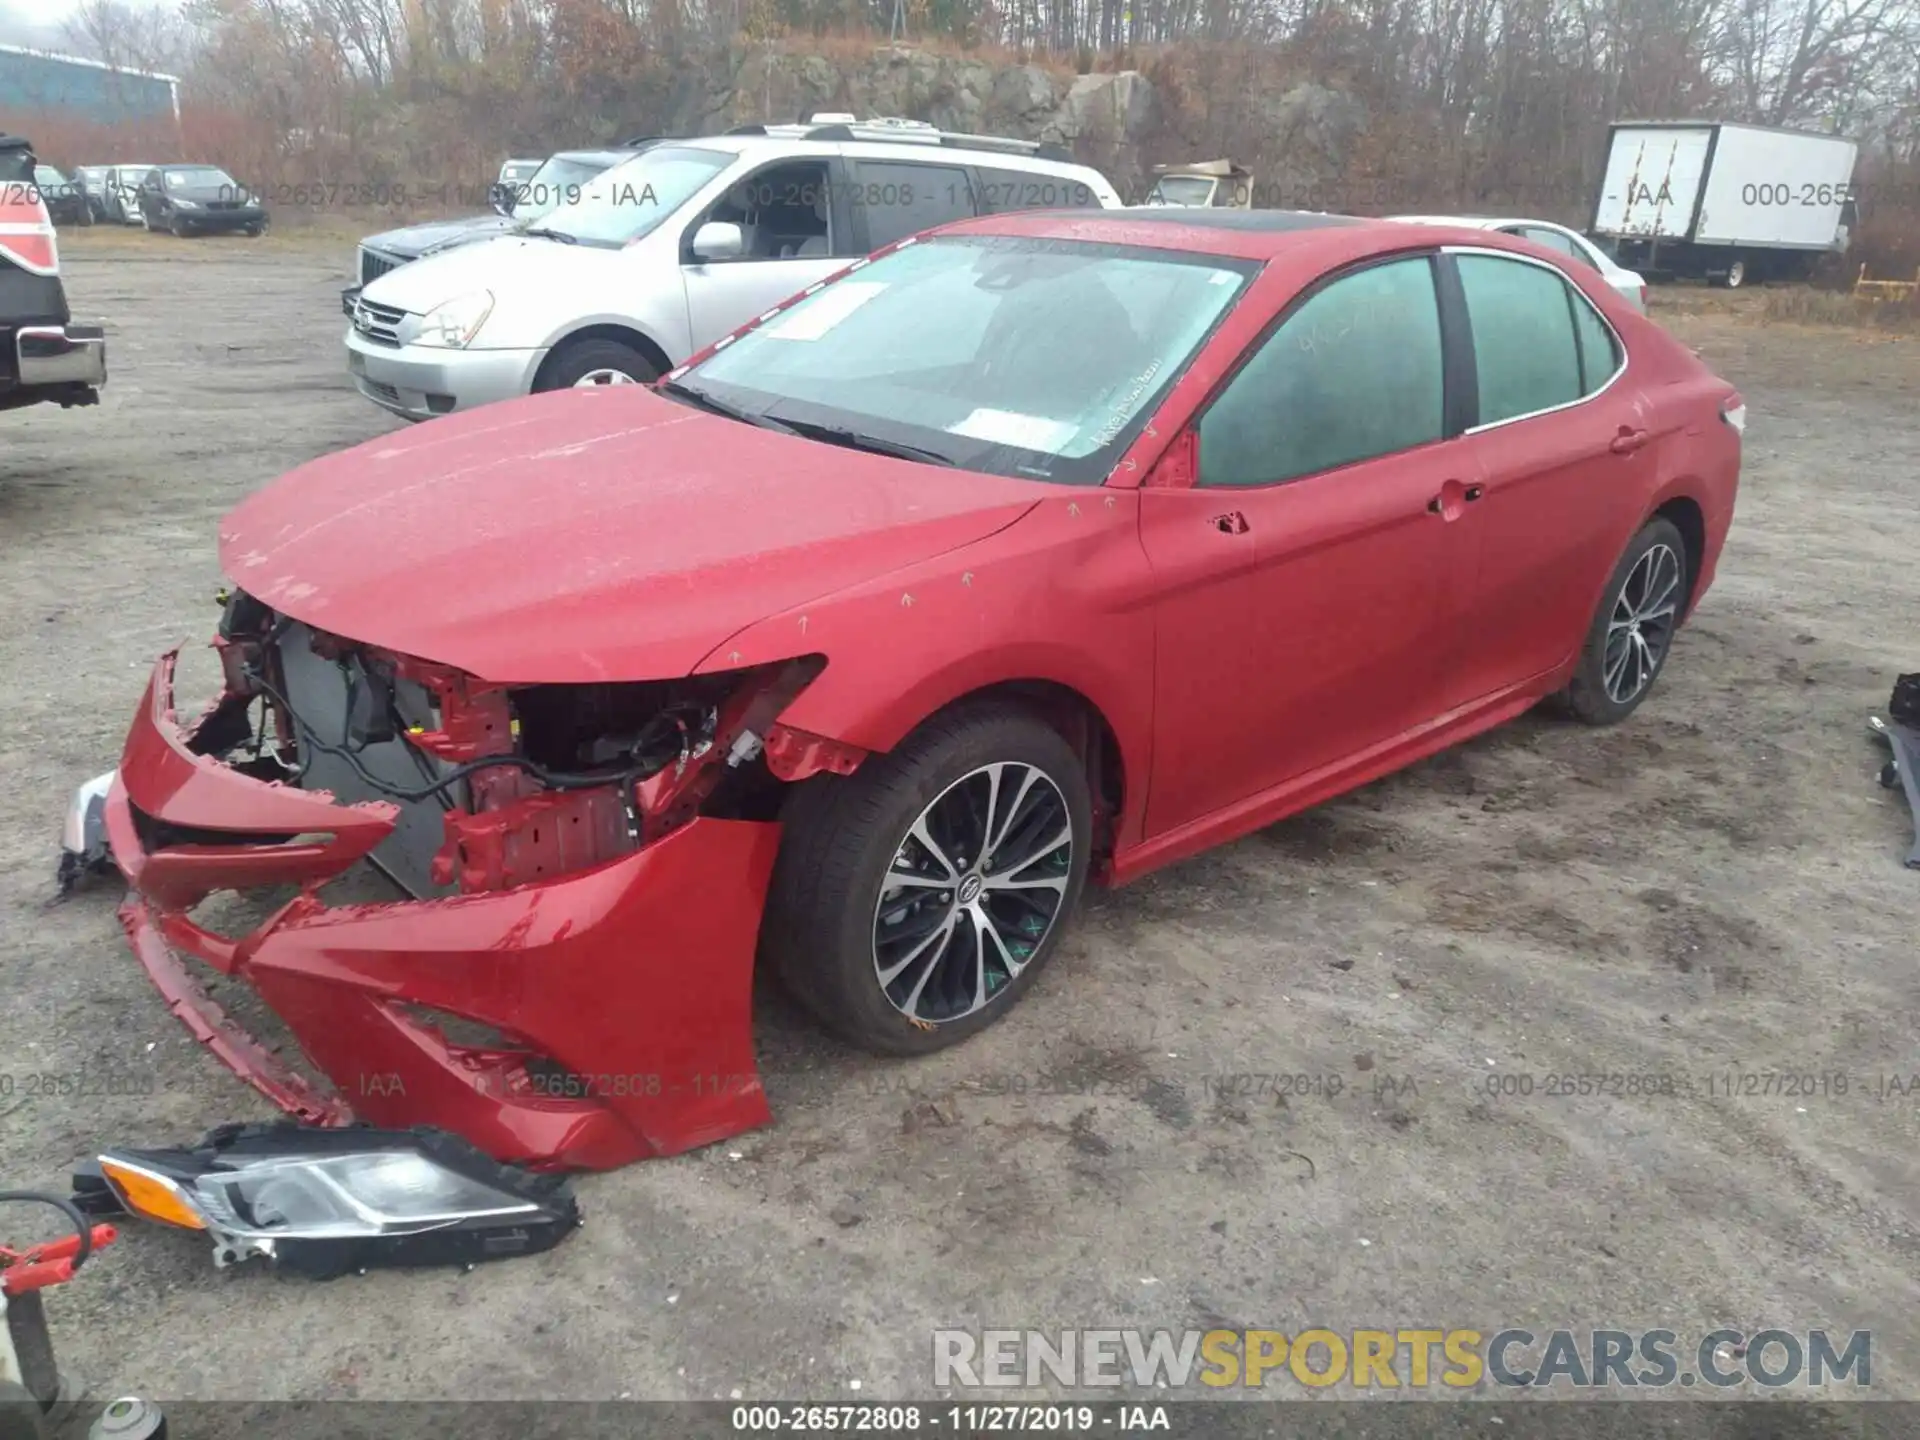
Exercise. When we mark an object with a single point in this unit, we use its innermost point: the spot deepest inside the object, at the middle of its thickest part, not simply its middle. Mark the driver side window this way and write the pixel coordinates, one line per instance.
(1353, 373)
(784, 212)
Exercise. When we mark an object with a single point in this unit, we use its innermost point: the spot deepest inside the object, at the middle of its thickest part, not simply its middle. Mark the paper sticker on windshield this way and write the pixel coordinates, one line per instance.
(825, 310)
(1009, 427)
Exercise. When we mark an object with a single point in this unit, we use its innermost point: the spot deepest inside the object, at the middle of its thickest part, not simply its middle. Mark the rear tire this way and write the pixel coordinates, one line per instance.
(1737, 274)
(849, 946)
(591, 362)
(1632, 632)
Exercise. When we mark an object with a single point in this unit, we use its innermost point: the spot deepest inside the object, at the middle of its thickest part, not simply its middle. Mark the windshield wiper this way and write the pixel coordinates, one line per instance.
(858, 440)
(707, 400)
(546, 234)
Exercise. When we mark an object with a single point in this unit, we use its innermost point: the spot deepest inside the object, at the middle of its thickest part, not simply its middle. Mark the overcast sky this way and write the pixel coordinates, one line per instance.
(39, 22)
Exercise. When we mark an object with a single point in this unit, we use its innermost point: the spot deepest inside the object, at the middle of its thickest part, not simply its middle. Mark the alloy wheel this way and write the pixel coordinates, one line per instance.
(1641, 626)
(975, 887)
(604, 376)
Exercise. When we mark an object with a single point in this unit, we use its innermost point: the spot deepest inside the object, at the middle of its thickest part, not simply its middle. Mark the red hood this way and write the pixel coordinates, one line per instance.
(589, 534)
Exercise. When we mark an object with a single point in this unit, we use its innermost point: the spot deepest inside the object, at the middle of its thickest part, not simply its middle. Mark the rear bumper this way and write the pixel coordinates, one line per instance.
(630, 984)
(60, 355)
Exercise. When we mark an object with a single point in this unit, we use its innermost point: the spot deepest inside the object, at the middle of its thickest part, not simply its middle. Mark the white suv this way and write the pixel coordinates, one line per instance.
(667, 252)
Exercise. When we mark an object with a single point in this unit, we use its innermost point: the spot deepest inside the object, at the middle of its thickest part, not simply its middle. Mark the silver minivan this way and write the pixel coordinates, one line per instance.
(669, 251)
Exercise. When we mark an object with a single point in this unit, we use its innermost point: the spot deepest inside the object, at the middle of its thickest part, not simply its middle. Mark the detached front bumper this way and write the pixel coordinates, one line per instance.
(614, 1004)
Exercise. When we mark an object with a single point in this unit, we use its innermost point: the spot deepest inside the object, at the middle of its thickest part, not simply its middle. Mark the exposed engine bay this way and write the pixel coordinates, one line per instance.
(498, 786)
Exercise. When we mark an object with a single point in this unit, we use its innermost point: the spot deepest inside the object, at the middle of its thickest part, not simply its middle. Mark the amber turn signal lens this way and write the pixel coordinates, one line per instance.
(153, 1196)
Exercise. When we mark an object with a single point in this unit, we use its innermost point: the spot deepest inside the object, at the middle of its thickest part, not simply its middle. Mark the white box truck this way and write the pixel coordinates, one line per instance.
(1729, 203)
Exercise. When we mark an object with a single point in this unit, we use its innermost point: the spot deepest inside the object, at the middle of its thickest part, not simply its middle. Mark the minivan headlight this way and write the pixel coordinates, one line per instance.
(453, 325)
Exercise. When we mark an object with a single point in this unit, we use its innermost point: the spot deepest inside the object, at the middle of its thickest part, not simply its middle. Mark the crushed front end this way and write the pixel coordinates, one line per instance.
(565, 975)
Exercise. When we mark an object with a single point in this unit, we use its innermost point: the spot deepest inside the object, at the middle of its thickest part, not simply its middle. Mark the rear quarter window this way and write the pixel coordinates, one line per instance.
(1599, 351)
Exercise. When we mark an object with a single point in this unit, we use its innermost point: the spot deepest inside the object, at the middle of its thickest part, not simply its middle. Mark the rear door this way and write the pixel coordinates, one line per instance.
(1308, 578)
(1563, 441)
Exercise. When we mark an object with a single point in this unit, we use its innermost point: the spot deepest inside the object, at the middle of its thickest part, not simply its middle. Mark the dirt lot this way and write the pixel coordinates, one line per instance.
(1713, 887)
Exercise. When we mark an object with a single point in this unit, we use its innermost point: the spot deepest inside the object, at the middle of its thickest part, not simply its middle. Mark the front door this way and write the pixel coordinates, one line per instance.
(796, 229)
(1309, 576)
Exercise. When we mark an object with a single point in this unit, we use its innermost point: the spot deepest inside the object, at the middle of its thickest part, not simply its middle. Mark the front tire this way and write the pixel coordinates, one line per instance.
(1736, 275)
(596, 362)
(915, 900)
(1632, 633)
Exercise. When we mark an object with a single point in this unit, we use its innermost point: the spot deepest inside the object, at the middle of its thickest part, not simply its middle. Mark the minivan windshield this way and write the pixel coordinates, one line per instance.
(618, 206)
(1008, 354)
(560, 181)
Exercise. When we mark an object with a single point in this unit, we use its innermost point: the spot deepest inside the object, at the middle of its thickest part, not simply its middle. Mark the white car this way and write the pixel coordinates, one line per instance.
(669, 251)
(123, 197)
(1555, 237)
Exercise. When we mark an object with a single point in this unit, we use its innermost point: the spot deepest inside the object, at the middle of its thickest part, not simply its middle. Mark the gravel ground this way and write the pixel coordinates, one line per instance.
(1712, 888)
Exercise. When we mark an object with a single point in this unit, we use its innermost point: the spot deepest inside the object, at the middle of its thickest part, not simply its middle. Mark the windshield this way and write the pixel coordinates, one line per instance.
(200, 177)
(48, 178)
(1017, 356)
(620, 205)
(556, 183)
(1183, 190)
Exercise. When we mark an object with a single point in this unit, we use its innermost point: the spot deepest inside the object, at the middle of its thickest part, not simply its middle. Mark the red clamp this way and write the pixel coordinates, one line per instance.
(49, 1264)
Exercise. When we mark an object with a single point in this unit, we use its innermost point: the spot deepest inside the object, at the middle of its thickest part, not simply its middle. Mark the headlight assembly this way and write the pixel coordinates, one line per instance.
(327, 1201)
(453, 324)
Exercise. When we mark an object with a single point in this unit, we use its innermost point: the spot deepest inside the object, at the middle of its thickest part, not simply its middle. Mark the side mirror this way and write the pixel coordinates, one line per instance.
(501, 198)
(718, 240)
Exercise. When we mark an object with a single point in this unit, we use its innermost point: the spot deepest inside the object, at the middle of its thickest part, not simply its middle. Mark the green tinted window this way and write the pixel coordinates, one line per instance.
(1599, 351)
(1523, 342)
(1355, 372)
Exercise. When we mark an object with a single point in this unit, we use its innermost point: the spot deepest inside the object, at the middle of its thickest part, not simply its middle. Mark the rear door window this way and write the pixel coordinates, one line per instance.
(900, 198)
(1004, 190)
(1355, 372)
(1524, 346)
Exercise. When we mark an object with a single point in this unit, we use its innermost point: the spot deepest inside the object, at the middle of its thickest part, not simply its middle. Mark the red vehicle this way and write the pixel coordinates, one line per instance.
(1038, 549)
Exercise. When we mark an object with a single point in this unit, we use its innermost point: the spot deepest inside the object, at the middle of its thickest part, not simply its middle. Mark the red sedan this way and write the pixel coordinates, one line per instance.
(1038, 549)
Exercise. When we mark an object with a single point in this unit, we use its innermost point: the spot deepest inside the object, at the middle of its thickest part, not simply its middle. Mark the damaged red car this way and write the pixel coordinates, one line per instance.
(1038, 550)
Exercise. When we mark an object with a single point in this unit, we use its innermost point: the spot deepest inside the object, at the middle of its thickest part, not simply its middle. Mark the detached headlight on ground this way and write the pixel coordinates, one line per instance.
(326, 1201)
(453, 325)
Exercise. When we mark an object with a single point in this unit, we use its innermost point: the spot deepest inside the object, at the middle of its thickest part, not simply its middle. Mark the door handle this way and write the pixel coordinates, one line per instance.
(1231, 523)
(1447, 504)
(1628, 440)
